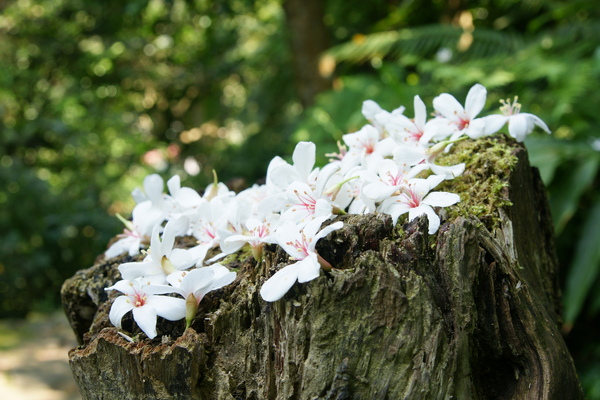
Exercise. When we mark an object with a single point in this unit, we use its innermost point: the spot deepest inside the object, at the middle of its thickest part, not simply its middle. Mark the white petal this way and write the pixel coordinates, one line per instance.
(145, 318)
(409, 155)
(448, 172)
(370, 108)
(117, 248)
(181, 259)
(121, 306)
(441, 199)
(153, 186)
(134, 270)
(170, 308)
(420, 112)
(448, 106)
(378, 191)
(493, 123)
(432, 181)
(538, 121)
(475, 100)
(175, 279)
(519, 126)
(174, 184)
(197, 279)
(188, 197)
(304, 158)
(323, 207)
(279, 284)
(216, 284)
(326, 231)
(434, 220)
(476, 129)
(172, 229)
(310, 229)
(146, 216)
(308, 269)
(156, 244)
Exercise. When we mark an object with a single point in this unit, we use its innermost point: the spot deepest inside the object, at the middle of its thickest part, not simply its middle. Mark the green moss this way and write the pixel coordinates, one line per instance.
(483, 187)
(235, 259)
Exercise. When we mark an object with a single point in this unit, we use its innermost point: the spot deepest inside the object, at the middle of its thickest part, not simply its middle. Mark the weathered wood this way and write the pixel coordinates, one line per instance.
(469, 313)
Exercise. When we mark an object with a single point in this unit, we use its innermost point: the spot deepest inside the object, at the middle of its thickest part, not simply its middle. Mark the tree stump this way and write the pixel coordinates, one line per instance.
(472, 312)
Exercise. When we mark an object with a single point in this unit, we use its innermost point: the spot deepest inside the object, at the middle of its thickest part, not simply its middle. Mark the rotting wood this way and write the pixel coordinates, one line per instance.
(470, 313)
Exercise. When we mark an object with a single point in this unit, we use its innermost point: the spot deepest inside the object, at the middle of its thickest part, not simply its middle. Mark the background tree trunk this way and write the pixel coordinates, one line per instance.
(309, 38)
(469, 313)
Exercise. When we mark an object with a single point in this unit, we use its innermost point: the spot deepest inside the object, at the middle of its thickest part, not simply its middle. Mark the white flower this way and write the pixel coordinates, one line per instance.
(281, 174)
(146, 305)
(463, 120)
(417, 130)
(305, 204)
(257, 233)
(392, 178)
(377, 116)
(162, 258)
(300, 245)
(519, 124)
(417, 200)
(424, 157)
(185, 197)
(152, 206)
(364, 145)
(195, 284)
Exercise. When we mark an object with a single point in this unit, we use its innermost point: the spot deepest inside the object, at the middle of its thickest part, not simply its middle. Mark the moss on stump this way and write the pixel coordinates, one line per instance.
(469, 313)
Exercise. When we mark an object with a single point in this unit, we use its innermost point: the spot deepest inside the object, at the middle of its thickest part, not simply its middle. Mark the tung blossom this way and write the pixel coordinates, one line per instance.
(519, 124)
(300, 245)
(162, 258)
(375, 171)
(416, 199)
(146, 304)
(194, 285)
(129, 241)
(463, 120)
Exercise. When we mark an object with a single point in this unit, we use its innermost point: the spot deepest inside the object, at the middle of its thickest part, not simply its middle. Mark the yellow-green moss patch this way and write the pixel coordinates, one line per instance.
(483, 187)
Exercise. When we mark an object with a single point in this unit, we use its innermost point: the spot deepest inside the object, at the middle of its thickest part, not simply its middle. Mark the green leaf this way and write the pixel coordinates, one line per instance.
(565, 198)
(585, 267)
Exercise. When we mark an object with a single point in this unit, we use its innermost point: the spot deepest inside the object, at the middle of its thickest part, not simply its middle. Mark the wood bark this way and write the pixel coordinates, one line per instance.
(308, 38)
(472, 312)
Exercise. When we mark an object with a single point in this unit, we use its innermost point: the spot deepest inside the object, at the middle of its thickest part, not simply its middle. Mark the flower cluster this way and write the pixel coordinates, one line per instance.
(388, 166)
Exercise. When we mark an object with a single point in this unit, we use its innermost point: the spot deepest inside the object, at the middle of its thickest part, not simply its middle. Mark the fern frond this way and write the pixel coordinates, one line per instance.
(424, 41)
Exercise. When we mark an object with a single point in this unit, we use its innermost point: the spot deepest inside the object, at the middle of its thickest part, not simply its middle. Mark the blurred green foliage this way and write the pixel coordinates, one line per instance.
(95, 95)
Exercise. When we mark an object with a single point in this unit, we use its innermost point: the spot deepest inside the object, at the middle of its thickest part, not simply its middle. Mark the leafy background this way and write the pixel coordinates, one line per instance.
(96, 95)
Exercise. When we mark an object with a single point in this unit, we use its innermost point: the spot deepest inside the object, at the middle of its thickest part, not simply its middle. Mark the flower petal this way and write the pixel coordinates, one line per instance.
(448, 106)
(432, 217)
(493, 123)
(519, 126)
(420, 112)
(145, 318)
(441, 199)
(153, 186)
(134, 270)
(304, 159)
(121, 306)
(475, 100)
(170, 308)
(538, 121)
(309, 268)
(279, 284)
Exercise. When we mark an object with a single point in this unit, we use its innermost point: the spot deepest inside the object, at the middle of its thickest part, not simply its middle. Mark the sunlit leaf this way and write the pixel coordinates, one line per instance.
(585, 266)
(568, 190)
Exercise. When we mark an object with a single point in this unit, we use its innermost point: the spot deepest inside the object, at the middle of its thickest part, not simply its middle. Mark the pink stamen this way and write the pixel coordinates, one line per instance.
(306, 201)
(139, 299)
(463, 123)
(413, 198)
